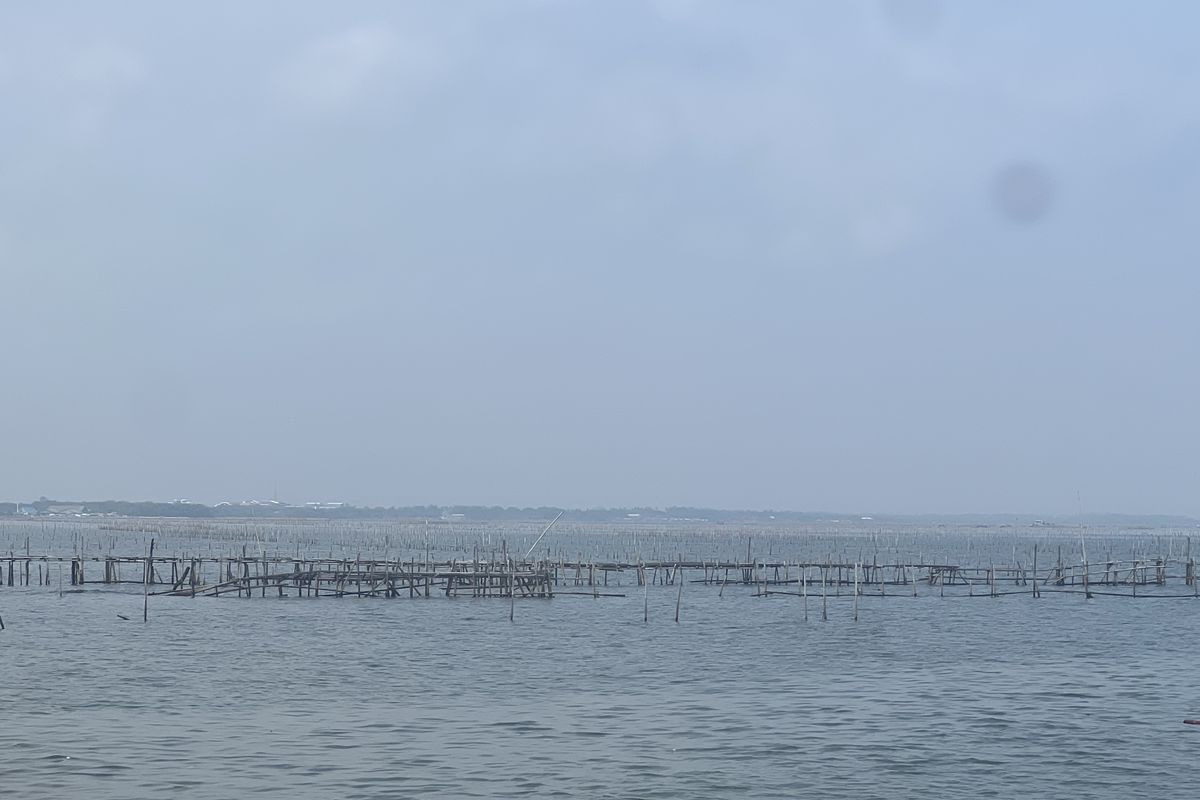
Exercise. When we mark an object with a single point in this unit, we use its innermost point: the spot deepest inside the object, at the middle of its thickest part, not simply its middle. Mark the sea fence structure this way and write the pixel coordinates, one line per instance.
(295, 559)
(248, 575)
(208, 576)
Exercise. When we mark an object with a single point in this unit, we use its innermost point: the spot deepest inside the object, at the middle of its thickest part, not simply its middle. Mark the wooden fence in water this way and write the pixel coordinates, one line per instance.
(247, 576)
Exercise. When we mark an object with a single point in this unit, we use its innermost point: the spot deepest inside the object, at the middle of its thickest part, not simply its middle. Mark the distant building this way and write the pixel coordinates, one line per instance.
(64, 508)
(318, 506)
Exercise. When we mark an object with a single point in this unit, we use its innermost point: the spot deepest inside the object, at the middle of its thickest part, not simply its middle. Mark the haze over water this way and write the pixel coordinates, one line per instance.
(884, 257)
(906, 256)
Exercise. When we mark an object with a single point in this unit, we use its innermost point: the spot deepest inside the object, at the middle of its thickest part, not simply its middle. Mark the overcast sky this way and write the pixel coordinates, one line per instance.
(901, 256)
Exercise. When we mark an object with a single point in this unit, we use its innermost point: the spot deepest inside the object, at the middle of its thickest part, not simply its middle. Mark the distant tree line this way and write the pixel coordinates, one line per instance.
(148, 508)
(546, 513)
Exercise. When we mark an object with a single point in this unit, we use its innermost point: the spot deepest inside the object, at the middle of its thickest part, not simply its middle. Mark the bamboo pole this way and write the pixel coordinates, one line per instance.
(1035, 581)
(824, 595)
(646, 602)
(1087, 592)
(804, 590)
(856, 591)
(539, 538)
(146, 585)
(679, 594)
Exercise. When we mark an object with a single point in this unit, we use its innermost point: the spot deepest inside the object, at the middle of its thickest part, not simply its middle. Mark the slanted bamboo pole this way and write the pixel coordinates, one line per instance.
(679, 594)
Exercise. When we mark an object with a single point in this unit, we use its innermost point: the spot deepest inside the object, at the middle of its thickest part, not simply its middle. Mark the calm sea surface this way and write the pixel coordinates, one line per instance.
(371, 698)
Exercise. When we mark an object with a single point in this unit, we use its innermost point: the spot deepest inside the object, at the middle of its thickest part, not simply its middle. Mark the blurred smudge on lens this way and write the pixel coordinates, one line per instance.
(912, 18)
(1023, 192)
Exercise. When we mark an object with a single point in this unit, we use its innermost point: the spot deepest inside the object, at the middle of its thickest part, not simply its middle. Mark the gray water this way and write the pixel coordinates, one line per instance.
(367, 698)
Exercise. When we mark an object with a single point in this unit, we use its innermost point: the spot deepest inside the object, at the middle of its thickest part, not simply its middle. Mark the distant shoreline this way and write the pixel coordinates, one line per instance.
(45, 508)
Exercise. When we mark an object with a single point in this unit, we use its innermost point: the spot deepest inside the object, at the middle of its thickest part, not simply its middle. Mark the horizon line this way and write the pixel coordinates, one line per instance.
(861, 516)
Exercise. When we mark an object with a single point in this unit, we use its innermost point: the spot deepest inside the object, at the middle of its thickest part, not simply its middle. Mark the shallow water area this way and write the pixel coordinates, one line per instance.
(577, 697)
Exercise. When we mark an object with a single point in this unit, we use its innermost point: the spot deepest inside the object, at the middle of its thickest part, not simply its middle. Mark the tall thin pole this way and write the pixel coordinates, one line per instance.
(804, 590)
(856, 591)
(1035, 583)
(824, 595)
(1087, 591)
(146, 585)
(543, 533)
(646, 600)
(679, 594)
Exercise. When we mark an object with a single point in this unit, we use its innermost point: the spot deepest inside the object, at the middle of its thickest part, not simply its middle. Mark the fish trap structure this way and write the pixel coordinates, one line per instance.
(286, 576)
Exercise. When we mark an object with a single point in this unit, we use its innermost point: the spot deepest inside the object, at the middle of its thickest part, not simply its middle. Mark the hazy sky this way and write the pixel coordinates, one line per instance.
(741, 254)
